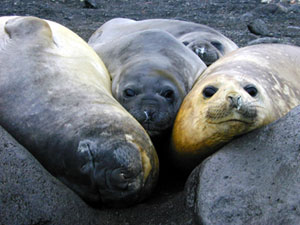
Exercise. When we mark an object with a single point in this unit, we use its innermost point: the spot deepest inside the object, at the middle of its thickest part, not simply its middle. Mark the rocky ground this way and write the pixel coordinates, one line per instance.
(244, 21)
(231, 17)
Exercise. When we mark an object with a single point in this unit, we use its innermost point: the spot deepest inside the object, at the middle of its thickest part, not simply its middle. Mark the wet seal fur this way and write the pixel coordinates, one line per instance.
(244, 90)
(208, 43)
(55, 99)
(151, 73)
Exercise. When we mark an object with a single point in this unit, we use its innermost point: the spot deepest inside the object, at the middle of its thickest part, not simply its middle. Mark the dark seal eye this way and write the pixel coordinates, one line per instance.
(209, 91)
(129, 92)
(251, 89)
(186, 43)
(218, 45)
(167, 94)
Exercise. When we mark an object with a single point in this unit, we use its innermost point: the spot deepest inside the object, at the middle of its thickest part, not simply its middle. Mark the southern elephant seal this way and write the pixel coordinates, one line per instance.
(151, 73)
(244, 90)
(208, 43)
(55, 99)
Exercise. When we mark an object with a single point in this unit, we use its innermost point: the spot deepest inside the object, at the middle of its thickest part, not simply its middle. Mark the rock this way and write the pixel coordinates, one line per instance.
(293, 31)
(271, 8)
(90, 4)
(294, 28)
(255, 179)
(247, 17)
(269, 40)
(295, 8)
(258, 27)
(30, 195)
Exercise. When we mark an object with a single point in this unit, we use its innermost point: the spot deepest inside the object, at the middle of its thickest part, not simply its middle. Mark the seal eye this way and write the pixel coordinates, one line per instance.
(167, 94)
(209, 91)
(218, 45)
(251, 90)
(129, 92)
(186, 43)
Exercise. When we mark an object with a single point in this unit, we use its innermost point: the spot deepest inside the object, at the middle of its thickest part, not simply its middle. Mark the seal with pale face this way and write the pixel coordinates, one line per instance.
(151, 73)
(56, 100)
(208, 43)
(244, 90)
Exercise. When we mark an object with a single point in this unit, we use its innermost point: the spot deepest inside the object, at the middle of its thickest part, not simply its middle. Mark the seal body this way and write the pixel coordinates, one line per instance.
(244, 90)
(55, 99)
(208, 43)
(151, 73)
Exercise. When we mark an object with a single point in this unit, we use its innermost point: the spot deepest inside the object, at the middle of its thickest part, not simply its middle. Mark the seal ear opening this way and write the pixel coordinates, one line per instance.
(27, 27)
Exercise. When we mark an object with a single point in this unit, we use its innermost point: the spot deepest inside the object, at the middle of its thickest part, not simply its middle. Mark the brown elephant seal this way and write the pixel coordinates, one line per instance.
(244, 90)
(55, 99)
(151, 73)
(208, 43)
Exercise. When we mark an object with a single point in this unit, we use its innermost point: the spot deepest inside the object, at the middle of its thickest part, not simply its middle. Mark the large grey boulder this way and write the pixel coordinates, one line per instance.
(255, 179)
(30, 195)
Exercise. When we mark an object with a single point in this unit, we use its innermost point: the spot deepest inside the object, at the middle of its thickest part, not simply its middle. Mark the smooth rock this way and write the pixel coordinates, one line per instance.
(259, 27)
(255, 179)
(264, 40)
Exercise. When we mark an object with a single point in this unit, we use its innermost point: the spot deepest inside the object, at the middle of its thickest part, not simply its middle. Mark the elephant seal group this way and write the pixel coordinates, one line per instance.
(208, 43)
(151, 73)
(242, 91)
(59, 101)
(55, 99)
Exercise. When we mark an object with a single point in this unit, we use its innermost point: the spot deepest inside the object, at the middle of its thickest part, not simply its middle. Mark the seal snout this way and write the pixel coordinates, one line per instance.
(149, 114)
(149, 108)
(119, 179)
(206, 52)
(235, 101)
(115, 170)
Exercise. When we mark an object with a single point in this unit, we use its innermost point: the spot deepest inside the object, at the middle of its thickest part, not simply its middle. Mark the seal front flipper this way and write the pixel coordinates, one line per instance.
(27, 28)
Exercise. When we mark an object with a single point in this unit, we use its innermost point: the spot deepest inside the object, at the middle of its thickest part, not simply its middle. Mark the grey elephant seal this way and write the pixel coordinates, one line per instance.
(208, 43)
(55, 99)
(151, 73)
(244, 90)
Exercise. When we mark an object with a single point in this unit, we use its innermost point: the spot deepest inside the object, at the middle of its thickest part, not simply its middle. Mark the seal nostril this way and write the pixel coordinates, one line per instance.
(149, 114)
(119, 180)
(201, 51)
(235, 101)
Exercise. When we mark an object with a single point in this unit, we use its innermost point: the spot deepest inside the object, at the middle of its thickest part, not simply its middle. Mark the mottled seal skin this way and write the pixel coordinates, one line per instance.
(151, 73)
(55, 99)
(208, 43)
(244, 90)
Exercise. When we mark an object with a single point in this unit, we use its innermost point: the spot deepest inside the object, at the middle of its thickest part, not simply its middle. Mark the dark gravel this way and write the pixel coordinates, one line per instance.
(231, 17)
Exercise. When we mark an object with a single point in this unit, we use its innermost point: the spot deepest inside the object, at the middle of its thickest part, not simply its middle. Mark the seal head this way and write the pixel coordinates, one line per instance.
(242, 91)
(151, 73)
(206, 42)
(151, 94)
